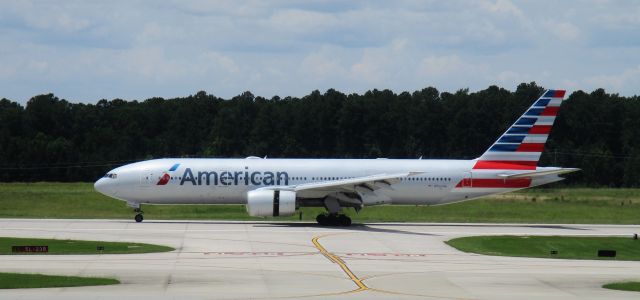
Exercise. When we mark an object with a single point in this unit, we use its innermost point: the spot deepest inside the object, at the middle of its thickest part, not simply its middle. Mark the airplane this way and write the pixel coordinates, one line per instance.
(279, 187)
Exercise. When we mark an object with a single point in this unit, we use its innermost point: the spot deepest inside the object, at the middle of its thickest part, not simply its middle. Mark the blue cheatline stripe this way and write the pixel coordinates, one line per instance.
(518, 129)
(542, 102)
(534, 112)
(526, 121)
(550, 93)
(504, 147)
(511, 139)
(174, 167)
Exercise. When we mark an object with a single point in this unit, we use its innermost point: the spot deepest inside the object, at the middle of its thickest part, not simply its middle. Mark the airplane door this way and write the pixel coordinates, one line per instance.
(466, 180)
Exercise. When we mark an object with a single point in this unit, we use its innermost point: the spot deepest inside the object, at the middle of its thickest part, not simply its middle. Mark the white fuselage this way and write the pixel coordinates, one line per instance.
(227, 181)
(275, 187)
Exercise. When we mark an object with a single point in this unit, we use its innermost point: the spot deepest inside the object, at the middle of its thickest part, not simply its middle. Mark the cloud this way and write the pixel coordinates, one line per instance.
(443, 65)
(563, 30)
(382, 65)
(614, 82)
(302, 21)
(220, 63)
(47, 16)
(504, 7)
(134, 49)
(448, 66)
(510, 77)
(369, 69)
(621, 17)
(323, 64)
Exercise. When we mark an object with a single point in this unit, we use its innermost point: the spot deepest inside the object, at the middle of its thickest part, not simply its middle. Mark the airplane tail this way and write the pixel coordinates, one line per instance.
(520, 147)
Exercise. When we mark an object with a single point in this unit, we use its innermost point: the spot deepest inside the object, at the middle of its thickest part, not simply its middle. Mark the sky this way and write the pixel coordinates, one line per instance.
(84, 51)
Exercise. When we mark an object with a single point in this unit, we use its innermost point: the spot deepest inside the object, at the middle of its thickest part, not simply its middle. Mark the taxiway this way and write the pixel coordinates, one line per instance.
(271, 260)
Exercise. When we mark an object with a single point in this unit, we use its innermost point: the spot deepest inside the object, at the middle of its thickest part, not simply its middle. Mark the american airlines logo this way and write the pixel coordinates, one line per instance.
(164, 179)
(245, 177)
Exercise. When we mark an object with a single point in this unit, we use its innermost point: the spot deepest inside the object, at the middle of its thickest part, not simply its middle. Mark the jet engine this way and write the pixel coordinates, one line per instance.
(271, 203)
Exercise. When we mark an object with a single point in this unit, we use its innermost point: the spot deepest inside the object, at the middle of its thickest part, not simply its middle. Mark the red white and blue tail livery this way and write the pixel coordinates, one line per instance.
(278, 187)
(520, 147)
(512, 161)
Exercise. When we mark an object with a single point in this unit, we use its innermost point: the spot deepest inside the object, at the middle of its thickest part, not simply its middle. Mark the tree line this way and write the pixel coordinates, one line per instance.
(51, 139)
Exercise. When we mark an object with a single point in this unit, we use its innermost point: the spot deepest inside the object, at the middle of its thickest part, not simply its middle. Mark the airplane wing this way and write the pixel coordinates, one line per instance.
(372, 183)
(539, 173)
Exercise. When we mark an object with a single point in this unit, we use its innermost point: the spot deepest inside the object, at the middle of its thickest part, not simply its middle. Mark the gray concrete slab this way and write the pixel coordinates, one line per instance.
(263, 260)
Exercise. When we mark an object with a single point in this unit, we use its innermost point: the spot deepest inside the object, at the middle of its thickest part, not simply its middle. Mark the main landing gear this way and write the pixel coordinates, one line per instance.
(333, 220)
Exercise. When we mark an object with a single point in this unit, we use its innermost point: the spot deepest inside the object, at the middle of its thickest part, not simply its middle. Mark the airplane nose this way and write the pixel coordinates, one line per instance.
(102, 186)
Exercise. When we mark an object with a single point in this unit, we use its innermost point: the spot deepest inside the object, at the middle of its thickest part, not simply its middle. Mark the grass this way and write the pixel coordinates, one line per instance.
(541, 246)
(571, 205)
(79, 247)
(632, 286)
(21, 281)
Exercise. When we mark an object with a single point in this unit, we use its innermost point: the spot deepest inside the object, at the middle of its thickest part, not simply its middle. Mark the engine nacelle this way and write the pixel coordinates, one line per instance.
(271, 203)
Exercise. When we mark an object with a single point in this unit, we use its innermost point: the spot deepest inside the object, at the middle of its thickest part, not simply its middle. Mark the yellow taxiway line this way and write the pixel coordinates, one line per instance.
(361, 286)
(332, 257)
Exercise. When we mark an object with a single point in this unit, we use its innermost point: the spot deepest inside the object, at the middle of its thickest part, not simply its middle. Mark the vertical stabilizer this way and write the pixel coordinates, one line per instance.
(520, 147)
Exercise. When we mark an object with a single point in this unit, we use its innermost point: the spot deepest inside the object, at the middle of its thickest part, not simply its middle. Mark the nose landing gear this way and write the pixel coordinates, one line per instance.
(137, 210)
(138, 216)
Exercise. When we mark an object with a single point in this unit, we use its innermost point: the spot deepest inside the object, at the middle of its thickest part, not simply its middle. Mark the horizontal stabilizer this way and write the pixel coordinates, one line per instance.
(540, 173)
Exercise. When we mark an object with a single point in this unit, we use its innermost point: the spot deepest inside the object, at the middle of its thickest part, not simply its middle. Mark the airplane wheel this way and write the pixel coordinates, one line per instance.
(344, 220)
(322, 219)
(139, 218)
(332, 220)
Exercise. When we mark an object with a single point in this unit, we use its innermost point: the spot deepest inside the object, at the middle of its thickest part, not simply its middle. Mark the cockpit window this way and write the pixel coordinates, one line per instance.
(110, 175)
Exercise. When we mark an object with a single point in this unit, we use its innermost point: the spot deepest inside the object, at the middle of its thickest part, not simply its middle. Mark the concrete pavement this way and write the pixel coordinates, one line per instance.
(267, 260)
